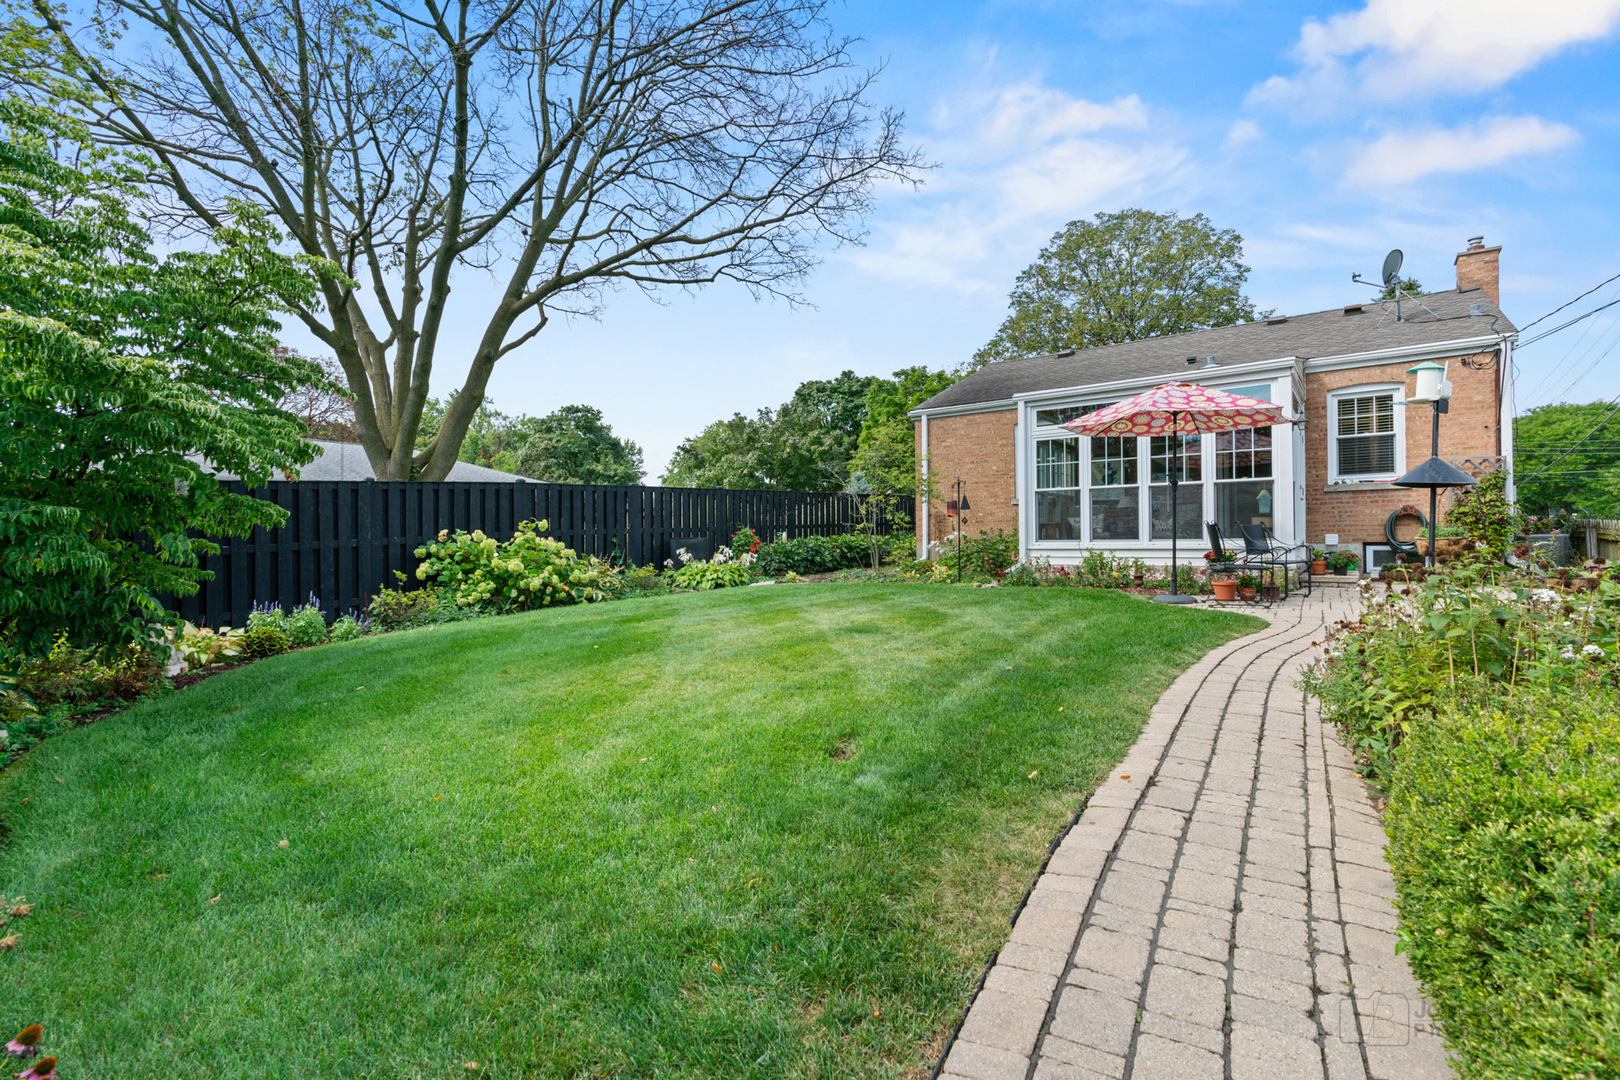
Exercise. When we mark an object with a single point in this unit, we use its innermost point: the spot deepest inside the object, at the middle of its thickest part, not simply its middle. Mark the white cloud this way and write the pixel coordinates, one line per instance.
(1017, 162)
(1403, 156)
(1391, 50)
(1241, 133)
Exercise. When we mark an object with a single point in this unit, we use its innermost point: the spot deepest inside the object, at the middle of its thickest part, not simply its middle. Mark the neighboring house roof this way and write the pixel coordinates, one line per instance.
(1430, 319)
(347, 461)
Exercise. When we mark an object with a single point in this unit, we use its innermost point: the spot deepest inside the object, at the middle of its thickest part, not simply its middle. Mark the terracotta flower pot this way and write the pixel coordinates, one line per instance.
(1224, 590)
(1247, 594)
(1449, 547)
(1318, 566)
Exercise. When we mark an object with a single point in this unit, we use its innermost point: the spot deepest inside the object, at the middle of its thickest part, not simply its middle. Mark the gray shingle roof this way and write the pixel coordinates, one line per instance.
(347, 461)
(1433, 318)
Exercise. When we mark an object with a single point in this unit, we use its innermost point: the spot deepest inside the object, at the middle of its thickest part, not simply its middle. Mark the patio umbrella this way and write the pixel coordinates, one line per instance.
(1177, 409)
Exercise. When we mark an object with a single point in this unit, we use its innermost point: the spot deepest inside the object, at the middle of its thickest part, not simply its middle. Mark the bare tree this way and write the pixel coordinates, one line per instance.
(327, 412)
(562, 147)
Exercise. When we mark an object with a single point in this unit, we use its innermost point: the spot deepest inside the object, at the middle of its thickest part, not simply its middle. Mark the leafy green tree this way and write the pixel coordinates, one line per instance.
(120, 372)
(887, 430)
(1122, 277)
(1408, 286)
(803, 446)
(1586, 476)
(574, 446)
(884, 473)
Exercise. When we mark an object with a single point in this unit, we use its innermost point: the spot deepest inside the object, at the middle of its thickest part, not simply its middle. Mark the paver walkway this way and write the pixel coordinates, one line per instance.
(1221, 910)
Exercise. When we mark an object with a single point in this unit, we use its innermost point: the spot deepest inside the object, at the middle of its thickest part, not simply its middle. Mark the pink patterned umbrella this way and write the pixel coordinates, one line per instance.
(1172, 409)
(1184, 408)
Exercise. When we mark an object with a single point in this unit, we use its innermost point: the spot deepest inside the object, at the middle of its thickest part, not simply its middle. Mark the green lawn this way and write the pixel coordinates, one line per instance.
(767, 832)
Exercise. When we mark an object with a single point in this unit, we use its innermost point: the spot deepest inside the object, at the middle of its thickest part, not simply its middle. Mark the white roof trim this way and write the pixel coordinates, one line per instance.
(961, 410)
(1412, 353)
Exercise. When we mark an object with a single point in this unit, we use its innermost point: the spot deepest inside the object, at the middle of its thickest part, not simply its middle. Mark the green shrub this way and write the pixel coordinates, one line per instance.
(347, 628)
(984, 555)
(306, 625)
(635, 581)
(199, 646)
(267, 615)
(1505, 818)
(1023, 574)
(814, 555)
(527, 571)
(395, 609)
(262, 641)
(710, 575)
(77, 678)
(1484, 513)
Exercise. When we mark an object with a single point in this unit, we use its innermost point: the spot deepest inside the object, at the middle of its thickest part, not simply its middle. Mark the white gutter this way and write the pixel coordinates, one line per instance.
(922, 549)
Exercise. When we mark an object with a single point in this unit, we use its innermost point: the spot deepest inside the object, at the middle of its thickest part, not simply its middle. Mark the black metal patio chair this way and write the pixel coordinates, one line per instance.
(1244, 558)
(1261, 547)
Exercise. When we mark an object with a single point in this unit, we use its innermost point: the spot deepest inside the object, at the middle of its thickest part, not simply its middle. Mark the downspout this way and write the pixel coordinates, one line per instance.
(1504, 422)
(926, 509)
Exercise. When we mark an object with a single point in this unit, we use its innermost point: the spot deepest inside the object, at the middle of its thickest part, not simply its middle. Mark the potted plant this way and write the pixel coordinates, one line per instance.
(1225, 588)
(1138, 572)
(1247, 585)
(1318, 561)
(1343, 562)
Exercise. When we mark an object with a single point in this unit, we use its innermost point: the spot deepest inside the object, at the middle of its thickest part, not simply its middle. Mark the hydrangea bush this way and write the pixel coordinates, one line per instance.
(527, 571)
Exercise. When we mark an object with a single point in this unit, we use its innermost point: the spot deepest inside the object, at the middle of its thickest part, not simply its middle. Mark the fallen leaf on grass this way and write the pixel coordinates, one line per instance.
(59, 780)
(21, 910)
(9, 942)
(284, 843)
(438, 798)
(216, 896)
(470, 1066)
(1034, 774)
(716, 965)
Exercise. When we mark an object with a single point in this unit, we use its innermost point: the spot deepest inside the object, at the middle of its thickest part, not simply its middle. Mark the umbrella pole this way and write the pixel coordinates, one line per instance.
(1174, 596)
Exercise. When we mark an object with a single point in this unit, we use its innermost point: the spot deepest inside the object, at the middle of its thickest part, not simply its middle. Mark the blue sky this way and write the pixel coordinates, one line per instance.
(1324, 133)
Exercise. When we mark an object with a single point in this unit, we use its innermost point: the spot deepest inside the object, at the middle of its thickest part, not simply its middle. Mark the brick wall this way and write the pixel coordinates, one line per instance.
(1479, 267)
(978, 448)
(1468, 430)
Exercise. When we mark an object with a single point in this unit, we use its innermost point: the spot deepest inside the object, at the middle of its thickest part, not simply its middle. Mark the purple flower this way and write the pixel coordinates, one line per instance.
(44, 1069)
(26, 1044)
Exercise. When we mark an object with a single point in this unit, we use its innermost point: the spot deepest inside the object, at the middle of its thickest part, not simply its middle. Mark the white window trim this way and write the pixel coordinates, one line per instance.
(1398, 393)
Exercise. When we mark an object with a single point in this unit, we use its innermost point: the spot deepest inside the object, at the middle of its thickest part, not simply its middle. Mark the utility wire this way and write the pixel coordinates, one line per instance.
(1547, 467)
(1561, 307)
(1568, 324)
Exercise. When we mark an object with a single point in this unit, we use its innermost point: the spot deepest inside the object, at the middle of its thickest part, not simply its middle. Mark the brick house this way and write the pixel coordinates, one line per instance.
(1325, 480)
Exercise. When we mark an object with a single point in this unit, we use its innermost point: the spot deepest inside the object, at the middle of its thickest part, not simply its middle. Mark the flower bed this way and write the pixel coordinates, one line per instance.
(1488, 708)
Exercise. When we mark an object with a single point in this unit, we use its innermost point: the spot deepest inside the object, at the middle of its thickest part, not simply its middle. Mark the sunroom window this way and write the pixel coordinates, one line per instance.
(1115, 491)
(1189, 515)
(1244, 490)
(1057, 489)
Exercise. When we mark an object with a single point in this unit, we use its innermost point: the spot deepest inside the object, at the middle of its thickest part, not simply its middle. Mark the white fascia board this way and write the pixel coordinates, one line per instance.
(1409, 353)
(961, 410)
(1254, 367)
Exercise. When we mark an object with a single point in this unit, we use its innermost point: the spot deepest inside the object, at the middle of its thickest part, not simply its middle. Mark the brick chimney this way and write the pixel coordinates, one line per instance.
(1477, 266)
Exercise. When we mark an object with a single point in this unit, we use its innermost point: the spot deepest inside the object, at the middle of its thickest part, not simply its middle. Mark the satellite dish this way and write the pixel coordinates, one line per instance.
(1392, 267)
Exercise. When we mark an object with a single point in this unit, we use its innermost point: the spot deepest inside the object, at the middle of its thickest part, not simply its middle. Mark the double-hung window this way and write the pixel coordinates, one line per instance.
(1116, 497)
(1057, 488)
(1189, 511)
(1244, 488)
(1364, 430)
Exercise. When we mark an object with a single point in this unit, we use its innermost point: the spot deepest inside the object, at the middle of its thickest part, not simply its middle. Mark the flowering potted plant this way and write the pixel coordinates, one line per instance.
(1343, 562)
(1247, 586)
(1318, 561)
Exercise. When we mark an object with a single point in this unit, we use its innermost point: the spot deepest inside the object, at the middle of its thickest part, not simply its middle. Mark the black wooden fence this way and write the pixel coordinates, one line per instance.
(344, 540)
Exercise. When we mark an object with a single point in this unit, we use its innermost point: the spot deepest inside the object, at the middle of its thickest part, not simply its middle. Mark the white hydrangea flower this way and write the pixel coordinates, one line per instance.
(1591, 650)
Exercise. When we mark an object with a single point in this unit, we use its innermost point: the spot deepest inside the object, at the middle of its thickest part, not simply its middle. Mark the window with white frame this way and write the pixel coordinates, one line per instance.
(1057, 489)
(1189, 508)
(1364, 436)
(1116, 497)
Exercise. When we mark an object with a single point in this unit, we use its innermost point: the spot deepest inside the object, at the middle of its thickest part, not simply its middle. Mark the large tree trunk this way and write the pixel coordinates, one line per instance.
(560, 147)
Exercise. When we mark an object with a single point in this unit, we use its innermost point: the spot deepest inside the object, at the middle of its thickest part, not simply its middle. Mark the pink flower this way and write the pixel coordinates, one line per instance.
(26, 1044)
(44, 1069)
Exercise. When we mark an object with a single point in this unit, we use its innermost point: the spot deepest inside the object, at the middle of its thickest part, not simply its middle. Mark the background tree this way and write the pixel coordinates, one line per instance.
(117, 371)
(562, 147)
(326, 408)
(574, 446)
(1586, 476)
(803, 446)
(1122, 277)
(887, 430)
(1408, 286)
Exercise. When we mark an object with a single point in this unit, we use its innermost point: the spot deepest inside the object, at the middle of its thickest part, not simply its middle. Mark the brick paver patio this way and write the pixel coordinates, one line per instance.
(1221, 910)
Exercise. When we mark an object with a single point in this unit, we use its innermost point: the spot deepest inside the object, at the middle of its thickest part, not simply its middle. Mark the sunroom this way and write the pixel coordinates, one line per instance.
(1078, 493)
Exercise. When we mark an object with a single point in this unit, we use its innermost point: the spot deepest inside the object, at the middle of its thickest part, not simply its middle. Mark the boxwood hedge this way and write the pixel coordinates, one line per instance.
(1506, 853)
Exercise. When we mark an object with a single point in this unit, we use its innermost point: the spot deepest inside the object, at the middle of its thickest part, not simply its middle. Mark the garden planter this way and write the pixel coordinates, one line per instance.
(1224, 590)
(1318, 566)
(1138, 579)
(1247, 594)
(1340, 571)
